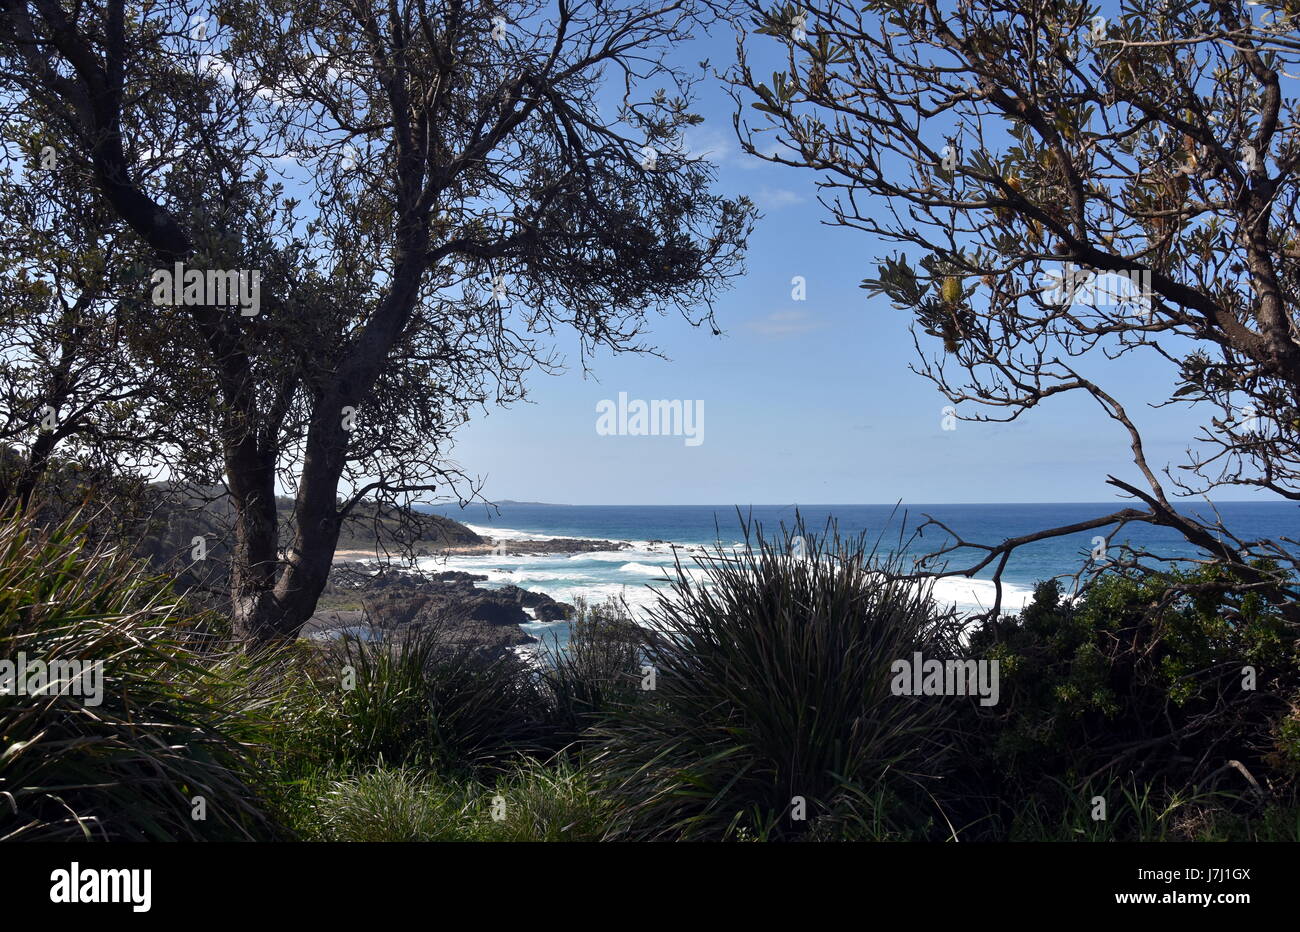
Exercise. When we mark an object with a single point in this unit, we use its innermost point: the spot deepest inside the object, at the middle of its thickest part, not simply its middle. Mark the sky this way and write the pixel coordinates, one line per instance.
(804, 401)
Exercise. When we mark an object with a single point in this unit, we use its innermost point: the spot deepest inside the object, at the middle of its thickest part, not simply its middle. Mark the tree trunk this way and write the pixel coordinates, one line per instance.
(311, 553)
(255, 556)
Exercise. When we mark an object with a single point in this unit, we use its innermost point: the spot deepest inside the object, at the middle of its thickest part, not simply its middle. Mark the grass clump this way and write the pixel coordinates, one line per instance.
(528, 801)
(597, 674)
(179, 717)
(420, 699)
(773, 700)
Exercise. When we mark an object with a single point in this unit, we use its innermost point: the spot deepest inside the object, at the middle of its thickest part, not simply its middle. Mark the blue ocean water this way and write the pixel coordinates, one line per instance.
(634, 575)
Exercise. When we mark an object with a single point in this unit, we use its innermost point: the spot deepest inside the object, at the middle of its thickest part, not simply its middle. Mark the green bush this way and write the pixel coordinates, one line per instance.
(773, 682)
(1140, 681)
(597, 673)
(384, 805)
(422, 700)
(178, 717)
(555, 801)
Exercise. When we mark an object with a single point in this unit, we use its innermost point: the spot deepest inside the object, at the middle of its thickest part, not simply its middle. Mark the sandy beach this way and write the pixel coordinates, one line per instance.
(503, 546)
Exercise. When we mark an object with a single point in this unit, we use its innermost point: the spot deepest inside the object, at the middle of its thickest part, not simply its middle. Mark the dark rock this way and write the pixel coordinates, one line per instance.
(523, 596)
(456, 576)
(329, 624)
(396, 603)
(554, 611)
(544, 607)
(392, 609)
(488, 607)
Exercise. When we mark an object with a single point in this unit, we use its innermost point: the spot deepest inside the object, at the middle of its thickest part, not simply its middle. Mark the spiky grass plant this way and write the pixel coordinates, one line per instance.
(773, 698)
(597, 672)
(553, 801)
(1119, 810)
(423, 699)
(177, 719)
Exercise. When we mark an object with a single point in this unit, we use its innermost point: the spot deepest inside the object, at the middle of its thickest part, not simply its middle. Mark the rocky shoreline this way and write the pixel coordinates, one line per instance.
(525, 547)
(368, 596)
(503, 547)
(386, 603)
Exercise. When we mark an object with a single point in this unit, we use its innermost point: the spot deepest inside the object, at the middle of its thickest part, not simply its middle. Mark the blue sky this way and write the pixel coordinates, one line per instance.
(804, 401)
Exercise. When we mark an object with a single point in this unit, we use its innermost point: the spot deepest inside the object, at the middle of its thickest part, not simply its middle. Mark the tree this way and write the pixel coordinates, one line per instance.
(70, 394)
(1068, 187)
(468, 192)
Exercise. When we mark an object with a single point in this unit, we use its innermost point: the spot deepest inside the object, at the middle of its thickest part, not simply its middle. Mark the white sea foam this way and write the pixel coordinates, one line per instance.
(509, 533)
(977, 595)
(635, 575)
(620, 556)
(645, 569)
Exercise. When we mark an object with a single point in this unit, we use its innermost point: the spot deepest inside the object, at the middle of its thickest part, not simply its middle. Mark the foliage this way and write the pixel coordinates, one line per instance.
(534, 802)
(597, 672)
(179, 718)
(1136, 680)
(773, 682)
(422, 699)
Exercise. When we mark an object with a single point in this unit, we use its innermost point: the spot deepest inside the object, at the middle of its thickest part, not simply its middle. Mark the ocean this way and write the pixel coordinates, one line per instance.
(635, 575)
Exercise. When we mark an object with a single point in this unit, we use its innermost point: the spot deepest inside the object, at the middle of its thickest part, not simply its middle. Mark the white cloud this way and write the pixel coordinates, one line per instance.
(785, 323)
(775, 198)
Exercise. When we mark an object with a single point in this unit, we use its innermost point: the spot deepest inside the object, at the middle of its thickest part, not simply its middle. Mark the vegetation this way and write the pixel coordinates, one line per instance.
(772, 710)
(598, 673)
(180, 720)
(754, 704)
(533, 803)
(1067, 184)
(424, 702)
(1139, 687)
(427, 200)
(434, 197)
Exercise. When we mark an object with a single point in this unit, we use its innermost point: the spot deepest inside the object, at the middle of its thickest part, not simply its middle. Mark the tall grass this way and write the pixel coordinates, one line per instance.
(178, 720)
(385, 805)
(773, 686)
(597, 673)
(1133, 812)
(424, 700)
(527, 801)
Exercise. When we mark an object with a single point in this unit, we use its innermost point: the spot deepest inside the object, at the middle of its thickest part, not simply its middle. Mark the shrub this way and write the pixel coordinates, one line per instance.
(773, 682)
(385, 805)
(596, 673)
(555, 801)
(177, 720)
(419, 699)
(1140, 680)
